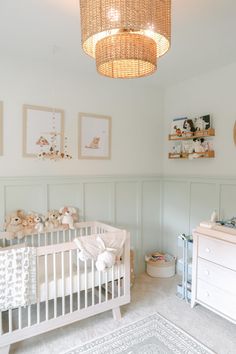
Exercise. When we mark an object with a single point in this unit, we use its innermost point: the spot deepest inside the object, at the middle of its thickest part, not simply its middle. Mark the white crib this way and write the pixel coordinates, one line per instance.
(68, 289)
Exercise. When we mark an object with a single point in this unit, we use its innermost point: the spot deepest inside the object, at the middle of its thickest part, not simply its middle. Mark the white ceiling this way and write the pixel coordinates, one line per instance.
(203, 36)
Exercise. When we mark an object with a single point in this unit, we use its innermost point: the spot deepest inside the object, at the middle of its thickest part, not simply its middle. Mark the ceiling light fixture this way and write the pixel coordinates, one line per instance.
(126, 37)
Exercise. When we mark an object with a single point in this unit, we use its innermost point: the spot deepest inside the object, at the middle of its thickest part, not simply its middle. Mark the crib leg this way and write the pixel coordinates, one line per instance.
(116, 314)
(5, 350)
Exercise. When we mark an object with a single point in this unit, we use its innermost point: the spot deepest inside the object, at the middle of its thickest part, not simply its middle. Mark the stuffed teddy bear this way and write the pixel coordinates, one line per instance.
(52, 220)
(13, 224)
(29, 223)
(68, 216)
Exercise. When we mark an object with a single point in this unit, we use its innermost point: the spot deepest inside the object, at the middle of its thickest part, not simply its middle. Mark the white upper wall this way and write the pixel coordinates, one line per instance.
(136, 112)
(212, 93)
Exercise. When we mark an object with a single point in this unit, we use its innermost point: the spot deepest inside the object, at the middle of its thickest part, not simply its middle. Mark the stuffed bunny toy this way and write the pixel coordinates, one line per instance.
(107, 258)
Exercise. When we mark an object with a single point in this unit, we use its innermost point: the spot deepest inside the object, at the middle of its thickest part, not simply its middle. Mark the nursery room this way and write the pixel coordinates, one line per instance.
(117, 177)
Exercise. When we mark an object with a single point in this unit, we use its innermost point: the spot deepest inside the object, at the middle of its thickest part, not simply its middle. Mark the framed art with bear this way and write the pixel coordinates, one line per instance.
(94, 136)
(39, 125)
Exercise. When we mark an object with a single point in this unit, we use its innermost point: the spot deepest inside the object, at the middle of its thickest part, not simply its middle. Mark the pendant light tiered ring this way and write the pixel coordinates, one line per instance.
(126, 37)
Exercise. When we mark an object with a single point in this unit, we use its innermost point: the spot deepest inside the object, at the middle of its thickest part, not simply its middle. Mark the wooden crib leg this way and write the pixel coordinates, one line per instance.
(116, 314)
(5, 350)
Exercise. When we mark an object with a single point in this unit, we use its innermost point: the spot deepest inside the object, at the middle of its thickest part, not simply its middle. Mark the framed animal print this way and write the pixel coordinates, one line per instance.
(1, 128)
(40, 126)
(94, 136)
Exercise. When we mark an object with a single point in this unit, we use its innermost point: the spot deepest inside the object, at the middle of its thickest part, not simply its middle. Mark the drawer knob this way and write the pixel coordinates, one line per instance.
(207, 294)
(208, 250)
(207, 272)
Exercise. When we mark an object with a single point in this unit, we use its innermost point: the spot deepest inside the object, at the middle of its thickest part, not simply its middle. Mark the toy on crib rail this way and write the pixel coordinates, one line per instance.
(68, 217)
(29, 223)
(52, 221)
(39, 223)
(13, 224)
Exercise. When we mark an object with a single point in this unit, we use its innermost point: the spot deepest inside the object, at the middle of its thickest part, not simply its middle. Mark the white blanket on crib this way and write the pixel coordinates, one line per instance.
(92, 246)
(17, 277)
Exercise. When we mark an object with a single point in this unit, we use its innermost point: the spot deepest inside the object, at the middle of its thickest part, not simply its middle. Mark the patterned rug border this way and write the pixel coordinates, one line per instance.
(129, 327)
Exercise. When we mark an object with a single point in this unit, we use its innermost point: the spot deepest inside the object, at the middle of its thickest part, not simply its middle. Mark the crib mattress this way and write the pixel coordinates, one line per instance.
(50, 289)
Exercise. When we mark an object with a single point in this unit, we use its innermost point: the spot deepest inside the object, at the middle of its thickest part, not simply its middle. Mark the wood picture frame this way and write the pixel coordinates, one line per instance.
(1, 128)
(38, 122)
(94, 136)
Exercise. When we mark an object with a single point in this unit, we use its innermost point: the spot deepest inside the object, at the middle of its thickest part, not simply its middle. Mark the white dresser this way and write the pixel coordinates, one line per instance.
(214, 270)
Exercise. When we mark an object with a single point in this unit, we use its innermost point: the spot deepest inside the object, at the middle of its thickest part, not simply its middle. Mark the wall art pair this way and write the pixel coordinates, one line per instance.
(44, 127)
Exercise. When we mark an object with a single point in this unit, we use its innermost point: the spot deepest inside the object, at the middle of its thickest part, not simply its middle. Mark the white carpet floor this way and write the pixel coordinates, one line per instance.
(148, 296)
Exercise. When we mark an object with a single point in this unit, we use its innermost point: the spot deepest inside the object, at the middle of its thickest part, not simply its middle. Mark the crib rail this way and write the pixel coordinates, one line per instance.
(68, 289)
(58, 236)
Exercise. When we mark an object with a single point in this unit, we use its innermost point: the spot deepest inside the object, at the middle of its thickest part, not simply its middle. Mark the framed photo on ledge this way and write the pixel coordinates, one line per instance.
(1, 128)
(94, 136)
(39, 125)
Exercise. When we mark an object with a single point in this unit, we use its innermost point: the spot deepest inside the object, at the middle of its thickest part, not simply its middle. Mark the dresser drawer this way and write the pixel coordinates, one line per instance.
(217, 251)
(217, 299)
(217, 275)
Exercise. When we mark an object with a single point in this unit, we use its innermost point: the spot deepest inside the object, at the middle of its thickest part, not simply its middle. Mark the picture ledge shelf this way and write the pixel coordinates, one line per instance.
(203, 155)
(197, 134)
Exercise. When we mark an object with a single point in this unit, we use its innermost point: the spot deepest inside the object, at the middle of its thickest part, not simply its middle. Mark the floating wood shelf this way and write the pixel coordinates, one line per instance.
(198, 134)
(195, 155)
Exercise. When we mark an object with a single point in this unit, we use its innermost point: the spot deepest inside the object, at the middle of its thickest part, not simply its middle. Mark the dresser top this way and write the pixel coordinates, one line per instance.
(217, 231)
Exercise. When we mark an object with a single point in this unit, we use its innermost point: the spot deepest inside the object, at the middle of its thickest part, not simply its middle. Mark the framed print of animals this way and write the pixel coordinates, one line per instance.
(1, 128)
(94, 136)
(42, 126)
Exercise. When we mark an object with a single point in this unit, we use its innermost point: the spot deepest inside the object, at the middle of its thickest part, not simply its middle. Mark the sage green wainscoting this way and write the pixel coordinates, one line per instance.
(131, 202)
(155, 209)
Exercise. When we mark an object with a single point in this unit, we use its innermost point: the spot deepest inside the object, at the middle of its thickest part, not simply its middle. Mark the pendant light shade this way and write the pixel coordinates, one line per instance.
(126, 36)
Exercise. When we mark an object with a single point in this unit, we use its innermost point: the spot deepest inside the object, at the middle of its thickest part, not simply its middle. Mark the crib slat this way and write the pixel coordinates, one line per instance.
(119, 264)
(112, 282)
(10, 320)
(71, 280)
(64, 236)
(99, 287)
(46, 286)
(38, 297)
(106, 286)
(63, 281)
(51, 238)
(55, 283)
(78, 280)
(92, 282)
(20, 317)
(58, 236)
(29, 315)
(86, 284)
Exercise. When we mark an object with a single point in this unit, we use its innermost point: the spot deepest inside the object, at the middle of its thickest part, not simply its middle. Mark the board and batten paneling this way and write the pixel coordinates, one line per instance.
(98, 202)
(227, 200)
(175, 213)
(203, 200)
(131, 202)
(154, 209)
(151, 218)
(189, 200)
(60, 194)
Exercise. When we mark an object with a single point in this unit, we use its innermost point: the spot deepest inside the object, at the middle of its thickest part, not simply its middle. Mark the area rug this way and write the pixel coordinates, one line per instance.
(152, 335)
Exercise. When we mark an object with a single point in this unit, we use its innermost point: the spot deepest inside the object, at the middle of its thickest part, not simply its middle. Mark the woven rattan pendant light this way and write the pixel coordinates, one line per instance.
(126, 37)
